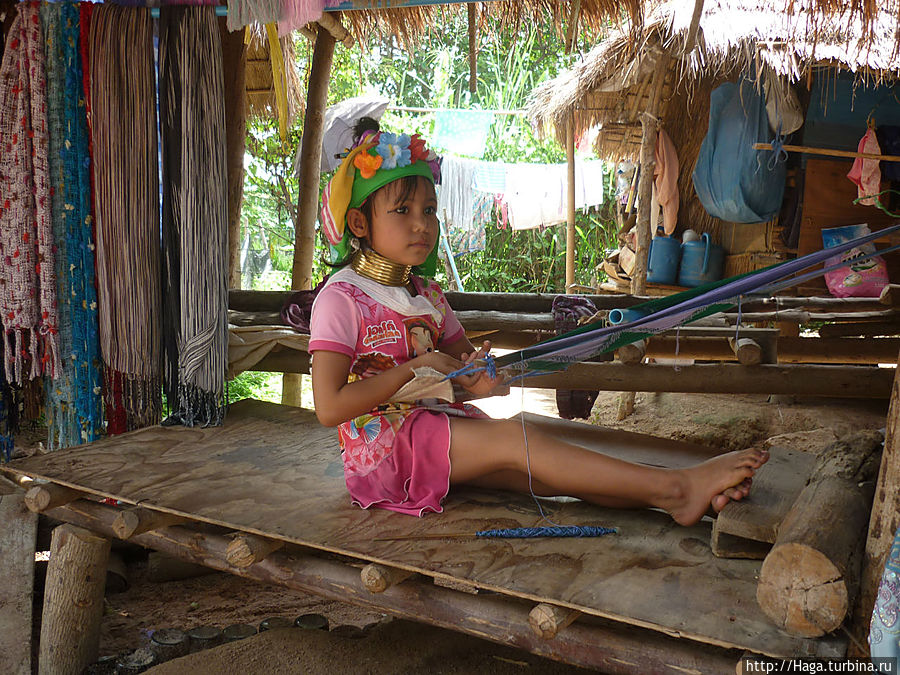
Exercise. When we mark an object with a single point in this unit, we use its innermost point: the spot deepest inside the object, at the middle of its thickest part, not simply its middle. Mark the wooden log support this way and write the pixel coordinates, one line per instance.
(794, 379)
(606, 648)
(73, 601)
(809, 579)
(330, 22)
(548, 620)
(48, 496)
(885, 516)
(890, 296)
(18, 532)
(747, 351)
(378, 578)
(139, 520)
(248, 549)
(632, 353)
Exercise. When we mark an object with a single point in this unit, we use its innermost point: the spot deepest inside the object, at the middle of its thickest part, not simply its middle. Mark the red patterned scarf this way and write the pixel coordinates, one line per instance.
(27, 265)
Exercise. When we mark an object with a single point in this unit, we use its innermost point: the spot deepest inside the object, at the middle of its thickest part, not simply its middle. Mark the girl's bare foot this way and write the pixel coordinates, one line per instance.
(713, 483)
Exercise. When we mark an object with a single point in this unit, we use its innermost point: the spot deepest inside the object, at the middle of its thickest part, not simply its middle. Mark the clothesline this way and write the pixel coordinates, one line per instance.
(400, 108)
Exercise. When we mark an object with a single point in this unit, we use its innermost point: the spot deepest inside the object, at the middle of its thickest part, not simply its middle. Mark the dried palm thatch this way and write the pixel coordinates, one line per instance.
(260, 84)
(410, 23)
(611, 85)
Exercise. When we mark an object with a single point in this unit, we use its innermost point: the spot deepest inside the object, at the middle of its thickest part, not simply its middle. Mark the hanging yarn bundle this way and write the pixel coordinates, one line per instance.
(194, 228)
(73, 400)
(126, 184)
(28, 292)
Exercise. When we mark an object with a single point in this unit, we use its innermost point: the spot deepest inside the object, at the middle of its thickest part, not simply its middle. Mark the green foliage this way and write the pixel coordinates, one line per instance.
(258, 385)
(511, 62)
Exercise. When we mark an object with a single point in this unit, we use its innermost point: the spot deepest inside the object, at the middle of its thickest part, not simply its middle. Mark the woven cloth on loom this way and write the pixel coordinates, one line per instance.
(194, 227)
(28, 291)
(126, 183)
(73, 400)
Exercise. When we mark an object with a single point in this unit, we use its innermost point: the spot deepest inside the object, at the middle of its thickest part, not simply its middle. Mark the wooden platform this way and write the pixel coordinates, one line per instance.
(274, 471)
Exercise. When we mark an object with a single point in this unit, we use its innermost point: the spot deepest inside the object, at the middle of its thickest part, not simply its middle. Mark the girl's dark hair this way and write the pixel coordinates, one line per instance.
(364, 124)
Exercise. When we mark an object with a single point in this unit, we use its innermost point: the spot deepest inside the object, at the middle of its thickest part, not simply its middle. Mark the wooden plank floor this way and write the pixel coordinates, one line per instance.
(274, 471)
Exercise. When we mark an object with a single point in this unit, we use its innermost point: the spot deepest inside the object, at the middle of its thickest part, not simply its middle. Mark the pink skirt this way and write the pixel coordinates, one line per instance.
(414, 477)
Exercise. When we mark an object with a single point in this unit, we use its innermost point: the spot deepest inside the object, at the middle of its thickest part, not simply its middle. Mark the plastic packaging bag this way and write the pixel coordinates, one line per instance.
(861, 279)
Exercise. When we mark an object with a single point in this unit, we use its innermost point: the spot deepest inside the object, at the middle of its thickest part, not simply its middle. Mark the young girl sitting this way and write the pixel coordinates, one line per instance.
(378, 332)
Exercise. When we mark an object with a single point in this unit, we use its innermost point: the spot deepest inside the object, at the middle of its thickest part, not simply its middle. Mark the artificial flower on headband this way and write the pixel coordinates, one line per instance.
(379, 159)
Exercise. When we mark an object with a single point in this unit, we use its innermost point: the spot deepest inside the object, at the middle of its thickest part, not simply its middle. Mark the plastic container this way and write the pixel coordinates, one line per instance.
(701, 262)
(665, 253)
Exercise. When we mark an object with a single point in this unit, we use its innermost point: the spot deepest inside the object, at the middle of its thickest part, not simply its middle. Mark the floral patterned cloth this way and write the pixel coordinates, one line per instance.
(884, 631)
(396, 456)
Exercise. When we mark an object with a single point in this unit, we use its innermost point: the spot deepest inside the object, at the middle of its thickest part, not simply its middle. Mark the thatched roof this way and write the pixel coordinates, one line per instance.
(259, 81)
(410, 23)
(611, 84)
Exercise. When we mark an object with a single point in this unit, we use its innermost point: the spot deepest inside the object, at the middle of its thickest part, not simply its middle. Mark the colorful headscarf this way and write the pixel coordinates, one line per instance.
(379, 158)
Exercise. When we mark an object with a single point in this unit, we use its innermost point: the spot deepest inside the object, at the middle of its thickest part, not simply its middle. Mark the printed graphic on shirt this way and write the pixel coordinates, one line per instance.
(420, 337)
(382, 333)
(372, 363)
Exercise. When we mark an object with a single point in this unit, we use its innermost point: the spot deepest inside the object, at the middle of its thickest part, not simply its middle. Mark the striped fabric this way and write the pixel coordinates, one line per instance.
(73, 400)
(126, 183)
(28, 289)
(194, 228)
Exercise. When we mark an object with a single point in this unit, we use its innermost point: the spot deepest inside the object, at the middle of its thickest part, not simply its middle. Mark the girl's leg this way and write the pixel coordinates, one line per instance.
(493, 452)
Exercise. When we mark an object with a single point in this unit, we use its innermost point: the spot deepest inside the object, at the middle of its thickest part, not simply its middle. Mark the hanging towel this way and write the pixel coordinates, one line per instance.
(462, 132)
(866, 172)
(665, 180)
(490, 177)
(537, 194)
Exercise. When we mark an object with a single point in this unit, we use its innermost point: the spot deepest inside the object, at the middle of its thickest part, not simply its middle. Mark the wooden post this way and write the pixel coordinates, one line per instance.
(632, 353)
(311, 160)
(473, 49)
(73, 601)
(570, 201)
(234, 68)
(18, 533)
(310, 169)
(809, 579)
(885, 516)
(747, 351)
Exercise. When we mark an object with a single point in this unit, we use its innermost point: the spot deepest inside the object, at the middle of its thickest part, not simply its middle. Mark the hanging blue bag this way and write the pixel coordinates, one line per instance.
(733, 181)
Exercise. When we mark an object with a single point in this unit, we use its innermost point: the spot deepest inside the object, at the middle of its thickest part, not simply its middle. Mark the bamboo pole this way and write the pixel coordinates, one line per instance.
(570, 200)
(828, 152)
(331, 23)
(473, 51)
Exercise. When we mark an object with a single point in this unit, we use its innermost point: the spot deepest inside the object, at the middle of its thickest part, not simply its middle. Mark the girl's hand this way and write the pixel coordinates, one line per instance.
(478, 383)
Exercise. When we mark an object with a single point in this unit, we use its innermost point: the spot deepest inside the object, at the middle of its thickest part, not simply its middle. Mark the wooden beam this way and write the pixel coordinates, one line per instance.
(473, 48)
(548, 620)
(885, 516)
(47, 495)
(828, 152)
(608, 648)
(798, 380)
(139, 520)
(310, 160)
(378, 578)
(248, 549)
(73, 600)
(332, 23)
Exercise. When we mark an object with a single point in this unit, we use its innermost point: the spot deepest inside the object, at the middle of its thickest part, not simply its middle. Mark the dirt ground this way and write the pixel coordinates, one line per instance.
(386, 646)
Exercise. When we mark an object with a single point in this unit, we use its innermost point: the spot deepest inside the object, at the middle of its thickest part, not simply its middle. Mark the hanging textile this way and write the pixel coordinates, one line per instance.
(73, 399)
(126, 180)
(665, 181)
(194, 228)
(462, 132)
(866, 173)
(28, 291)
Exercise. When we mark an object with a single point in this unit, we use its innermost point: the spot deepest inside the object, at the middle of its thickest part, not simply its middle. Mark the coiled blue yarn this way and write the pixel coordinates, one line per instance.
(560, 531)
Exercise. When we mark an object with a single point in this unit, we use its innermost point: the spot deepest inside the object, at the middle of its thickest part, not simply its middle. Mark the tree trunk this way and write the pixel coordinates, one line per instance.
(73, 601)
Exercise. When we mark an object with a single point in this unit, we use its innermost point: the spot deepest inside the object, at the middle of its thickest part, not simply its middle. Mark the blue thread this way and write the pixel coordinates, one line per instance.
(556, 531)
(491, 366)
